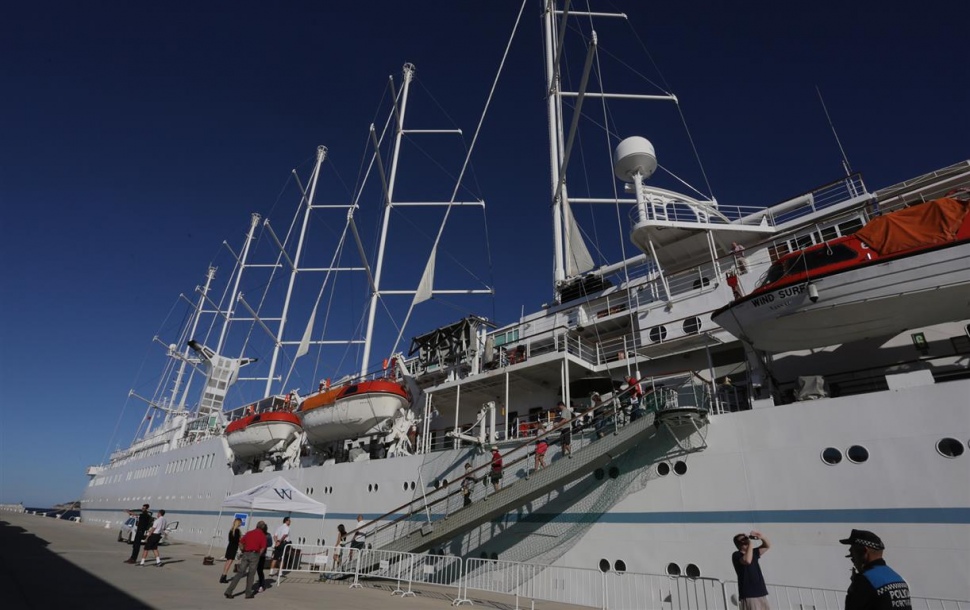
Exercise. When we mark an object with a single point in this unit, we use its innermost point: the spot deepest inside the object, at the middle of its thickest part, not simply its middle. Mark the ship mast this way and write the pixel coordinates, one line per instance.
(408, 75)
(209, 276)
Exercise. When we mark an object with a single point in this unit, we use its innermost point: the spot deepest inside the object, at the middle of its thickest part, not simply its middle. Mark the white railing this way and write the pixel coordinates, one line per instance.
(527, 583)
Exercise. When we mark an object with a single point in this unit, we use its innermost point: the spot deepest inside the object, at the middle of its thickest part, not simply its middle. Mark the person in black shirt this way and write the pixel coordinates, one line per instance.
(141, 526)
(874, 586)
(752, 591)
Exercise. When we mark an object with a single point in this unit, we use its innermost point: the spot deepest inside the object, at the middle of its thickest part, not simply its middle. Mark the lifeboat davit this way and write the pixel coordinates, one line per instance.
(257, 434)
(904, 270)
(351, 410)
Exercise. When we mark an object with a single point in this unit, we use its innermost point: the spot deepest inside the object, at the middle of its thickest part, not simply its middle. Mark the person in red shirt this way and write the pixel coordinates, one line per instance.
(496, 473)
(253, 544)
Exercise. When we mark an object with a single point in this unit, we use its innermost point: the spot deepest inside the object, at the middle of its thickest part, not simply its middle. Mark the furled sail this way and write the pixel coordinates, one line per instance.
(423, 292)
(578, 259)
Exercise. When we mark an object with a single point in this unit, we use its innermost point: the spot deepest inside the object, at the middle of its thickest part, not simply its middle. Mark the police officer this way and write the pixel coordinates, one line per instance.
(874, 584)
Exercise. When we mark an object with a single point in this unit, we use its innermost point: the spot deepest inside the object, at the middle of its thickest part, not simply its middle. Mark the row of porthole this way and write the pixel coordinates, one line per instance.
(680, 468)
(619, 566)
(691, 326)
(857, 454)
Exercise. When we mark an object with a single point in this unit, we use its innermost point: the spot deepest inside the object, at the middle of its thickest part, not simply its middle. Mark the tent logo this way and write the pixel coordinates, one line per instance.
(284, 494)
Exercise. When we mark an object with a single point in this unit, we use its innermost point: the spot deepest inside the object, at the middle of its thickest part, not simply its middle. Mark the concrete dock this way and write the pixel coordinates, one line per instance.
(53, 563)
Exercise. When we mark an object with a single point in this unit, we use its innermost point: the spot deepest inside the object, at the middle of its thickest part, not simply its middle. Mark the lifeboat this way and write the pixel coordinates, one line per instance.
(351, 410)
(257, 434)
(904, 270)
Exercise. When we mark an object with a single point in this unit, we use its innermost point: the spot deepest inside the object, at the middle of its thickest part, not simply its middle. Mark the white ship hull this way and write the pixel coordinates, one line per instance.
(762, 469)
(873, 301)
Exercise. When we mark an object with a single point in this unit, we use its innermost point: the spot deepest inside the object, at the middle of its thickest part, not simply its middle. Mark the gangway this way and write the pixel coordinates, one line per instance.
(420, 537)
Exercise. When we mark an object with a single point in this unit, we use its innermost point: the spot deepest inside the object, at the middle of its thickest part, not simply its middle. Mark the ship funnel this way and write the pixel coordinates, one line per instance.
(633, 155)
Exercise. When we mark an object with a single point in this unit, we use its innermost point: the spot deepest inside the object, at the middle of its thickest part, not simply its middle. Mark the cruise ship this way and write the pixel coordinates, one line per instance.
(335, 348)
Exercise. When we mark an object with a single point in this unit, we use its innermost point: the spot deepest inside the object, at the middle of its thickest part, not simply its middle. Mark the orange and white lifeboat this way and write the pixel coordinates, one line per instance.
(351, 410)
(257, 434)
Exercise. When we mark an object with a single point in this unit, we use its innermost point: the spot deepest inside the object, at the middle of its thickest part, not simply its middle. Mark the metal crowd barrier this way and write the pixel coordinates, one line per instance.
(526, 582)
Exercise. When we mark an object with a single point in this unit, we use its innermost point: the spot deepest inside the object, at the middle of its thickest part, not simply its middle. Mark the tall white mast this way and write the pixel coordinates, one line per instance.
(209, 276)
(553, 110)
(294, 268)
(243, 257)
(408, 74)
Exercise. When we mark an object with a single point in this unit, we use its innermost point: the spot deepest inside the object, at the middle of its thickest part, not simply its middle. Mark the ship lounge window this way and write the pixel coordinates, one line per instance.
(692, 325)
(831, 456)
(950, 447)
(658, 334)
(857, 454)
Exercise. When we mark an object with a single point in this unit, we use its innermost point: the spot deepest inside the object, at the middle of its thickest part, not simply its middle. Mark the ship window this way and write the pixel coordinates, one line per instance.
(692, 571)
(857, 454)
(950, 447)
(658, 334)
(604, 565)
(673, 569)
(692, 325)
(412, 485)
(663, 469)
(850, 227)
(831, 456)
(370, 487)
(614, 472)
(599, 474)
(405, 486)
(619, 566)
(376, 486)
(680, 467)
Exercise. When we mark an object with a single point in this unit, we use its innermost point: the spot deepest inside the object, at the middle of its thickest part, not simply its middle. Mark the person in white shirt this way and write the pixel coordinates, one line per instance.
(358, 538)
(280, 540)
(154, 537)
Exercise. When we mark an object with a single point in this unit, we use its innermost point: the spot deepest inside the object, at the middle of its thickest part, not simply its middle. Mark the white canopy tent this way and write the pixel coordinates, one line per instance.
(275, 495)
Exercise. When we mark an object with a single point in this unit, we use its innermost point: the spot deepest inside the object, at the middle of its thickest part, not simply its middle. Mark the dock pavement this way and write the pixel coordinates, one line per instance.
(50, 563)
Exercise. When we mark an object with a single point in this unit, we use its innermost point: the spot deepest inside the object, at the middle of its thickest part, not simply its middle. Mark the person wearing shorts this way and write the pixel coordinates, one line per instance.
(496, 473)
(154, 537)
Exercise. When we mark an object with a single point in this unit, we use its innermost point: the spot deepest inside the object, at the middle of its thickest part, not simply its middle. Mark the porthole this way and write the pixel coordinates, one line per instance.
(950, 447)
(831, 456)
(614, 472)
(405, 486)
(484, 555)
(599, 474)
(619, 566)
(658, 334)
(692, 571)
(444, 482)
(376, 486)
(412, 485)
(663, 469)
(437, 484)
(673, 569)
(494, 557)
(370, 487)
(692, 325)
(680, 467)
(604, 565)
(857, 454)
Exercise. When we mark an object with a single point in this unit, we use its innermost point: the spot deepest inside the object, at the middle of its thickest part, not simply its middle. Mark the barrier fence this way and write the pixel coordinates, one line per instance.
(526, 583)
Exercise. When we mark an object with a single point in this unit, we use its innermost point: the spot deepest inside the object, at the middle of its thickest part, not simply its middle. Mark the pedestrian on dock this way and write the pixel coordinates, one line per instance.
(496, 473)
(280, 540)
(263, 557)
(253, 545)
(467, 485)
(752, 591)
(154, 537)
(141, 526)
(874, 584)
(232, 549)
(359, 537)
(338, 547)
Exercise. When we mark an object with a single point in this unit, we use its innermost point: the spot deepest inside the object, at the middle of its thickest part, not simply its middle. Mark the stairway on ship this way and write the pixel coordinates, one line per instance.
(584, 461)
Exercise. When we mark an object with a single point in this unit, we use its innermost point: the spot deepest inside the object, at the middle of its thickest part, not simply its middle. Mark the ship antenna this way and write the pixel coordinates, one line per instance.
(845, 159)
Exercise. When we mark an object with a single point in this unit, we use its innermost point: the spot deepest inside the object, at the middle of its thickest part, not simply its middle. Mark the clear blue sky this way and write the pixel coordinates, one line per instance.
(136, 137)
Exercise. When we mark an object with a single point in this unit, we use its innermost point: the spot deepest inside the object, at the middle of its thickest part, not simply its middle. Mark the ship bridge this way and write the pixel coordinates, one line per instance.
(417, 530)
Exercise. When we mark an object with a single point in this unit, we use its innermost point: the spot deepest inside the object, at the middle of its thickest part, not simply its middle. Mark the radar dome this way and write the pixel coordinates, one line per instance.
(632, 155)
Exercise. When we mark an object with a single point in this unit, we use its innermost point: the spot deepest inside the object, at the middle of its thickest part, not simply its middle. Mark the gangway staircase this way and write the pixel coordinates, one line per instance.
(599, 453)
